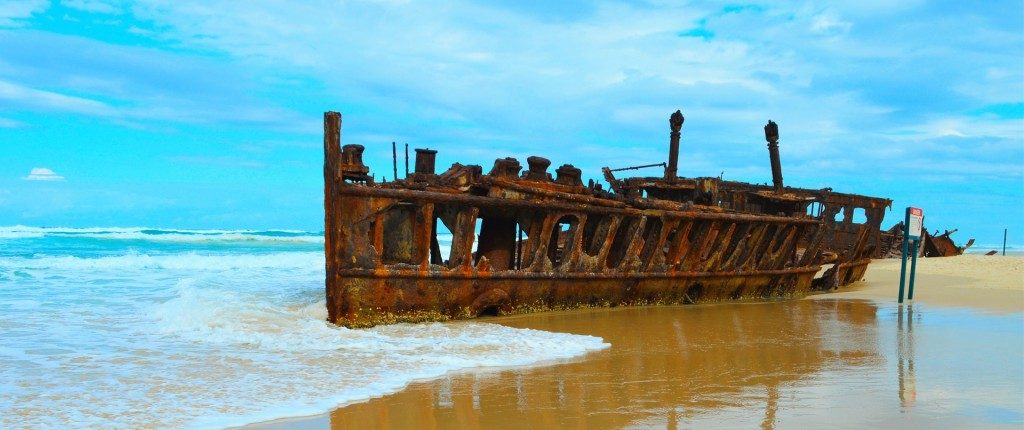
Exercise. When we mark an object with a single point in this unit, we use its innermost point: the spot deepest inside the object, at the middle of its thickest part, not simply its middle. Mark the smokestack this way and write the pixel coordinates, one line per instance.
(771, 134)
(425, 161)
(676, 122)
(332, 151)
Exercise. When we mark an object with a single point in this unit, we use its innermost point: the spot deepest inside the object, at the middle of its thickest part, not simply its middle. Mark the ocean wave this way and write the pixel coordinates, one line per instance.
(221, 316)
(16, 234)
(162, 235)
(988, 246)
(221, 352)
(180, 261)
(115, 335)
(377, 361)
(167, 236)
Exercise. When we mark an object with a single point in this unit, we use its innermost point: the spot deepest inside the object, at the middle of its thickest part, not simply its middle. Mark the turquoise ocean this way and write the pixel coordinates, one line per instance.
(163, 328)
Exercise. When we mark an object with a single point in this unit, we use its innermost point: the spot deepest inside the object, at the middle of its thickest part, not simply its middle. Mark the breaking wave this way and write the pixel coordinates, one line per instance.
(115, 338)
(182, 261)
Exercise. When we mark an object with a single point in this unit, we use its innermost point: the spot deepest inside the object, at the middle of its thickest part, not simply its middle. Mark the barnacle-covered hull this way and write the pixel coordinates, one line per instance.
(530, 242)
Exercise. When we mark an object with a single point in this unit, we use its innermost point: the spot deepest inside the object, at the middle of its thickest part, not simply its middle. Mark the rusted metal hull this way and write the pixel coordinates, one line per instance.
(848, 232)
(531, 242)
(845, 239)
(367, 299)
(842, 274)
(942, 245)
(609, 256)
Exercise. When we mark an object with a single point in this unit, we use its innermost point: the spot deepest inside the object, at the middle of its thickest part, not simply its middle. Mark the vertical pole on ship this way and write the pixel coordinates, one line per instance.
(519, 247)
(394, 160)
(406, 160)
(912, 222)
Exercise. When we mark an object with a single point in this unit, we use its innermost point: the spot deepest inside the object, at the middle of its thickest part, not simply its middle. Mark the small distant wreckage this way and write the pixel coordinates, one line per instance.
(527, 241)
(932, 244)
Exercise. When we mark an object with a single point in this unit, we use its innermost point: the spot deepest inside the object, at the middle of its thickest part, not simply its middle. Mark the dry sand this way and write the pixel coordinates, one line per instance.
(826, 361)
(986, 283)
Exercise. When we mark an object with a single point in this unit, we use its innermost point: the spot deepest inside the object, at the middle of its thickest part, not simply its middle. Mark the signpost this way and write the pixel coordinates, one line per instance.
(911, 239)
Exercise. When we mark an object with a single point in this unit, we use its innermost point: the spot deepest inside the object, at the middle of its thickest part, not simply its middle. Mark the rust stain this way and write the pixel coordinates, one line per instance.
(526, 241)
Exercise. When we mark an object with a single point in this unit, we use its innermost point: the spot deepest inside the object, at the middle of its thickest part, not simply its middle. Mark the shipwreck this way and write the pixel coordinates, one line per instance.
(932, 244)
(527, 240)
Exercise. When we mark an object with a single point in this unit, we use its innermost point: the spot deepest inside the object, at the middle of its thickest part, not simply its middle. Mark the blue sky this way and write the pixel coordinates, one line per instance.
(207, 114)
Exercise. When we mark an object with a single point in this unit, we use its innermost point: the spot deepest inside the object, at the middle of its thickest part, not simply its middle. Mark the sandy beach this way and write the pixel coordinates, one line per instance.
(847, 359)
(987, 283)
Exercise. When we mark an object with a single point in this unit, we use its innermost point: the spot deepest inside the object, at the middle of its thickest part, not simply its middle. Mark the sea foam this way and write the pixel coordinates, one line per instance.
(109, 337)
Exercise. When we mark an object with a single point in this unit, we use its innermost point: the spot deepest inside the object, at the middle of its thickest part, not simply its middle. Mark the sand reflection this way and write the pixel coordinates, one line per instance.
(666, 366)
(905, 356)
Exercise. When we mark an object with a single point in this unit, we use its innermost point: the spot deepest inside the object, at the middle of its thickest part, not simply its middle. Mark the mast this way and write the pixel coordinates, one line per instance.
(676, 122)
(771, 134)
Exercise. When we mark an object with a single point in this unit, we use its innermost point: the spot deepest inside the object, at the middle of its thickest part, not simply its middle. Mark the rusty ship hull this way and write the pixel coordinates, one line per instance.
(530, 242)
(847, 241)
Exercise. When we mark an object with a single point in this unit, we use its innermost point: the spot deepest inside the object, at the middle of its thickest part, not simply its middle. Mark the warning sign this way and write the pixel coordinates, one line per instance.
(915, 218)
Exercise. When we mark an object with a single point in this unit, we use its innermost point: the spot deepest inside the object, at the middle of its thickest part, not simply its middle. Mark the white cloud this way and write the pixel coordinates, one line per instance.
(474, 73)
(828, 23)
(9, 123)
(52, 100)
(1008, 130)
(470, 72)
(97, 6)
(11, 12)
(169, 107)
(43, 174)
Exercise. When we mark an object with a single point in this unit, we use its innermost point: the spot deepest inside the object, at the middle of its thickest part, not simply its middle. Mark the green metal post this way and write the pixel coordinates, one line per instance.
(903, 254)
(913, 269)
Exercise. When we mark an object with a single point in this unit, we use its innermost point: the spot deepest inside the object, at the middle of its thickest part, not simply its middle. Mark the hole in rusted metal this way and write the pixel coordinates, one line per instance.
(673, 237)
(859, 216)
(737, 293)
(622, 240)
(594, 233)
(813, 210)
(694, 293)
(652, 232)
(497, 241)
(489, 311)
(398, 234)
(562, 239)
(440, 242)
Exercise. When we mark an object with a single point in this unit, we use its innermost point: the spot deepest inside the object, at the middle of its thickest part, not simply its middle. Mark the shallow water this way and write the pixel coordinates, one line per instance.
(148, 328)
(821, 363)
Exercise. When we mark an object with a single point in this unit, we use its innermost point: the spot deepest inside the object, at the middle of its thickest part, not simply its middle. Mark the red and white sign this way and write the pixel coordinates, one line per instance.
(916, 219)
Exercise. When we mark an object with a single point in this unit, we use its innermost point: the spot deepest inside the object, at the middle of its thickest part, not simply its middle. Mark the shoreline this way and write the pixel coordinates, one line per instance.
(991, 285)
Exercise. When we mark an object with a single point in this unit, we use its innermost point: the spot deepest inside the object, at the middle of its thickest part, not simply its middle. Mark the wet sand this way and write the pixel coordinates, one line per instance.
(852, 359)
